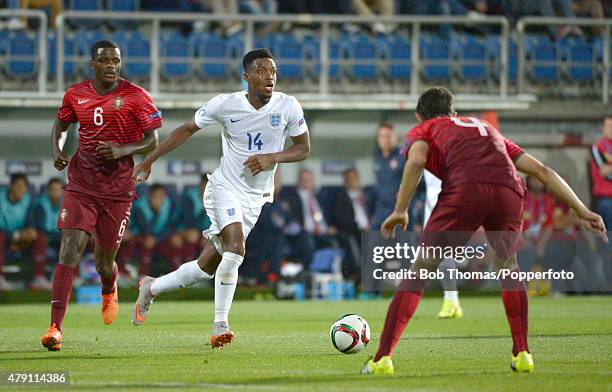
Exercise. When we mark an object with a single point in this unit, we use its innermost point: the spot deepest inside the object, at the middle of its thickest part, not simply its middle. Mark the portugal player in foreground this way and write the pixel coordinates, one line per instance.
(117, 119)
(255, 124)
(480, 187)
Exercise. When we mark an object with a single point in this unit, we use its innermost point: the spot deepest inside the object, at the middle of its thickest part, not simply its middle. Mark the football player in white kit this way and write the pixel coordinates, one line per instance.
(450, 306)
(255, 124)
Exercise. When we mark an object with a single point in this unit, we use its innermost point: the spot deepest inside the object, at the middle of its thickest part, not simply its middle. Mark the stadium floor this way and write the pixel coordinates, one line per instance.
(286, 346)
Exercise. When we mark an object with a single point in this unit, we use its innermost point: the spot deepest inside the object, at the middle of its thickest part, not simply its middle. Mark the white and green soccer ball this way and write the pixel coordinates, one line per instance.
(350, 334)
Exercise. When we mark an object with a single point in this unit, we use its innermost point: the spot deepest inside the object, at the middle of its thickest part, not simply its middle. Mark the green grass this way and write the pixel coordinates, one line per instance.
(286, 346)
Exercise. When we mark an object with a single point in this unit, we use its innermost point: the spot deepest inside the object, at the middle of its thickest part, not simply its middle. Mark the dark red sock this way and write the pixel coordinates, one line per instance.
(108, 282)
(514, 297)
(60, 294)
(402, 307)
(39, 253)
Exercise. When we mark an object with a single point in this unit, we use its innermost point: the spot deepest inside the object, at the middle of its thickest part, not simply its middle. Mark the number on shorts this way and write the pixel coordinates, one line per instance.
(98, 119)
(122, 228)
(475, 123)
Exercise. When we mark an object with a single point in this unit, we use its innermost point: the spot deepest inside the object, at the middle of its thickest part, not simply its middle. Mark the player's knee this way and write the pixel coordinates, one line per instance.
(70, 252)
(236, 247)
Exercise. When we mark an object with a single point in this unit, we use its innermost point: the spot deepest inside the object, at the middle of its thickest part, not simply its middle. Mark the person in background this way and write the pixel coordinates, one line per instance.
(350, 217)
(314, 232)
(16, 234)
(373, 8)
(194, 219)
(45, 213)
(388, 167)
(267, 242)
(601, 176)
(153, 226)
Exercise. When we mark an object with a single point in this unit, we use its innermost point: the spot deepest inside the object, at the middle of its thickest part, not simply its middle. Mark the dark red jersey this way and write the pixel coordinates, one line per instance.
(121, 116)
(467, 150)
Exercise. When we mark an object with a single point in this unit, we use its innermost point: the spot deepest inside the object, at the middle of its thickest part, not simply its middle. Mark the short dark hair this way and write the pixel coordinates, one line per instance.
(19, 176)
(204, 177)
(255, 54)
(349, 170)
(385, 124)
(54, 180)
(435, 102)
(157, 187)
(104, 44)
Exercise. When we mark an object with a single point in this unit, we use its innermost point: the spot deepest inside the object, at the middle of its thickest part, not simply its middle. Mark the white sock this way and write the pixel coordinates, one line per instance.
(226, 279)
(186, 275)
(451, 296)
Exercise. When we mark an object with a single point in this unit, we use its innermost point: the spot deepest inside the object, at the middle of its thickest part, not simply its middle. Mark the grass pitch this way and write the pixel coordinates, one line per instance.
(285, 346)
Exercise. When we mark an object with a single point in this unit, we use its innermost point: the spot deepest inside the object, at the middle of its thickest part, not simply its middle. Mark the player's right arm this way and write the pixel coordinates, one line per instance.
(175, 139)
(60, 159)
(555, 184)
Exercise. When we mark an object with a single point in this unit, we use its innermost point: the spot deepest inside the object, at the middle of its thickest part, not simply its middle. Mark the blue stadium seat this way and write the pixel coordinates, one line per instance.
(4, 40)
(22, 51)
(85, 5)
(543, 57)
(493, 53)
(123, 5)
(580, 57)
(399, 56)
(69, 66)
(212, 50)
(470, 52)
(174, 49)
(363, 55)
(312, 51)
(136, 53)
(435, 53)
(289, 53)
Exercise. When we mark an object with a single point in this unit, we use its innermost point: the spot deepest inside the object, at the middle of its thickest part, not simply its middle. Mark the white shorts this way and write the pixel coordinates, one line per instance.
(223, 208)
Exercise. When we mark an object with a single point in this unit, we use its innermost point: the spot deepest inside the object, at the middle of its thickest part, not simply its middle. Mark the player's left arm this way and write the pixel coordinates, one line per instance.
(299, 151)
(555, 184)
(112, 151)
(413, 170)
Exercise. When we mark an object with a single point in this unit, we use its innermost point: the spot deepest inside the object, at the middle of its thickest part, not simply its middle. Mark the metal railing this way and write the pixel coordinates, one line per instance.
(524, 23)
(326, 22)
(42, 40)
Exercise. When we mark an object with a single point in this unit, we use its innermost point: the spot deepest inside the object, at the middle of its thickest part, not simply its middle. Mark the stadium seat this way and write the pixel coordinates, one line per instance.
(174, 50)
(212, 51)
(22, 51)
(543, 58)
(399, 56)
(435, 53)
(86, 5)
(289, 53)
(363, 55)
(470, 52)
(136, 53)
(493, 53)
(69, 66)
(312, 50)
(123, 5)
(579, 55)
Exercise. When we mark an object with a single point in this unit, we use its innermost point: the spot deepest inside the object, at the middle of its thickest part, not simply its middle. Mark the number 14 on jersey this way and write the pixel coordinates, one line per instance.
(255, 141)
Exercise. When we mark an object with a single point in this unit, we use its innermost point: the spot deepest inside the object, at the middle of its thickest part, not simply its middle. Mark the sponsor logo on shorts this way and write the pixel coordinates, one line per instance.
(63, 215)
(231, 211)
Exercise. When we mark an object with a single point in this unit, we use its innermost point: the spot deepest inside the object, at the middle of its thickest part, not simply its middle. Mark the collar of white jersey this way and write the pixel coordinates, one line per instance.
(265, 107)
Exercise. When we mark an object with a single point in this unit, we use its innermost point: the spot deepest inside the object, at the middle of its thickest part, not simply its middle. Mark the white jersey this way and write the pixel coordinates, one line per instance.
(246, 132)
(434, 187)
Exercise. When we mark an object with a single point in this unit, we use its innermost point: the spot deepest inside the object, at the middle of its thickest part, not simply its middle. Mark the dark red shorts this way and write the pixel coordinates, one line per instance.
(464, 208)
(106, 219)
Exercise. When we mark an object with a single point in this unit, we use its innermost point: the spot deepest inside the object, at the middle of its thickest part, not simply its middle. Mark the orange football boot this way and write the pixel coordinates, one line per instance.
(110, 306)
(53, 339)
(222, 335)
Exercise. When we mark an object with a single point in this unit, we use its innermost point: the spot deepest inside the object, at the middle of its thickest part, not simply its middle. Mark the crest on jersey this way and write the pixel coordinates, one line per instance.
(275, 120)
(118, 103)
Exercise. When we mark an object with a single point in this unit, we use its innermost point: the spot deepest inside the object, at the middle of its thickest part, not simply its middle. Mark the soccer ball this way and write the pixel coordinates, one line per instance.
(350, 334)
